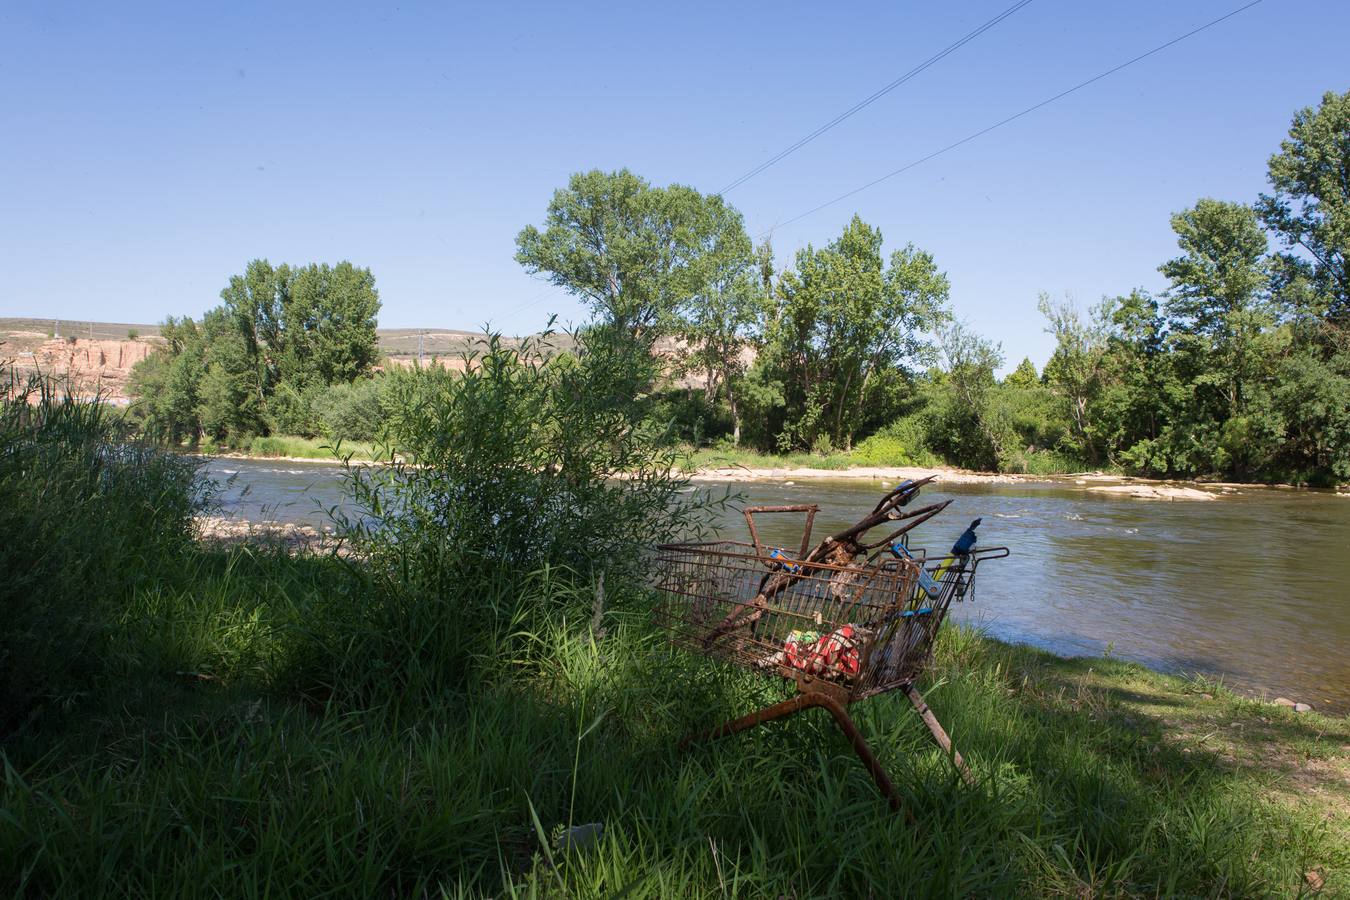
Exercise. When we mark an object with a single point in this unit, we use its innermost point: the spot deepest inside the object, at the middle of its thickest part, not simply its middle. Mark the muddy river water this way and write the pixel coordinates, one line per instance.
(1253, 588)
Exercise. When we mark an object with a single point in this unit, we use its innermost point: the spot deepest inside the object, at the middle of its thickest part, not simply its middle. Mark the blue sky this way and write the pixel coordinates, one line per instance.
(147, 152)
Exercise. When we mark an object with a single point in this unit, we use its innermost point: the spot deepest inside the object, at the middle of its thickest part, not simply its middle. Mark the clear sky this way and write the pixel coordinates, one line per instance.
(147, 152)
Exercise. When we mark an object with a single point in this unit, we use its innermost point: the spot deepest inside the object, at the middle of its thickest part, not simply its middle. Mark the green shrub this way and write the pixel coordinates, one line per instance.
(902, 443)
(88, 514)
(356, 411)
(294, 409)
(526, 462)
(1041, 462)
(691, 417)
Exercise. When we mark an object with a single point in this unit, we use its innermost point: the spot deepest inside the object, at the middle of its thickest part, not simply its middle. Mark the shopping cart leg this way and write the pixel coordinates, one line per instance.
(838, 712)
(779, 710)
(939, 735)
(869, 760)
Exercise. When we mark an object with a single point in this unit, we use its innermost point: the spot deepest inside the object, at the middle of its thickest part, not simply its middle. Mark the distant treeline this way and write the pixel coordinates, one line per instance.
(1240, 369)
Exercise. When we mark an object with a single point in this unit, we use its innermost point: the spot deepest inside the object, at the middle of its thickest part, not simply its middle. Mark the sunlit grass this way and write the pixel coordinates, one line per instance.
(881, 452)
(242, 722)
(234, 757)
(294, 447)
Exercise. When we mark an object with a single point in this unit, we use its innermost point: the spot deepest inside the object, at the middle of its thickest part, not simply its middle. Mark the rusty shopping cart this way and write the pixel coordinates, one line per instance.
(844, 621)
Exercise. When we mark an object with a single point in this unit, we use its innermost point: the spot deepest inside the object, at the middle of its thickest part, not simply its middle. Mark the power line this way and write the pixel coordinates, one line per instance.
(857, 107)
(1030, 109)
(550, 291)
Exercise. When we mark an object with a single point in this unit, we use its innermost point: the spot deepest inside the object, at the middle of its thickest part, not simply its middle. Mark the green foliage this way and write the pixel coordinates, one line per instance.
(527, 461)
(966, 423)
(904, 442)
(355, 411)
(1075, 373)
(292, 409)
(691, 417)
(723, 316)
(634, 252)
(1309, 209)
(844, 331)
(168, 384)
(1025, 375)
(87, 513)
(254, 364)
(328, 324)
(1240, 372)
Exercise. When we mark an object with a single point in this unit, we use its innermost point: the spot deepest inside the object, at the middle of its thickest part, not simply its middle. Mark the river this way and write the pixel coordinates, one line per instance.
(1253, 588)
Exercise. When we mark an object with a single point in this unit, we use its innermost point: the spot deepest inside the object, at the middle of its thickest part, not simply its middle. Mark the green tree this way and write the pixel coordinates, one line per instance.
(168, 382)
(1075, 370)
(253, 319)
(846, 327)
(634, 252)
(232, 400)
(328, 324)
(1137, 389)
(256, 360)
(1025, 375)
(721, 319)
(1309, 208)
(313, 324)
(1308, 211)
(1218, 312)
(968, 425)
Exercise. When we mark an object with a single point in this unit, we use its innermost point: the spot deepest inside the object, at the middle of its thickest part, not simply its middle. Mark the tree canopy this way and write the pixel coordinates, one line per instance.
(845, 325)
(1309, 207)
(277, 331)
(636, 253)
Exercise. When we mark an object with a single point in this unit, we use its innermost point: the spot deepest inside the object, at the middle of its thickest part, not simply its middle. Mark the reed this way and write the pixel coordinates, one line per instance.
(87, 514)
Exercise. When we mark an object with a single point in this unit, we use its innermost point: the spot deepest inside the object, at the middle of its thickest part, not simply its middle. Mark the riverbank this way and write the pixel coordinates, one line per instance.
(291, 448)
(706, 466)
(1089, 570)
(1117, 485)
(255, 718)
(748, 466)
(232, 758)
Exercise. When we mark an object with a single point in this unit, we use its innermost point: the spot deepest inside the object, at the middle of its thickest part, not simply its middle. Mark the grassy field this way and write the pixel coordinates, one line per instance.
(179, 719)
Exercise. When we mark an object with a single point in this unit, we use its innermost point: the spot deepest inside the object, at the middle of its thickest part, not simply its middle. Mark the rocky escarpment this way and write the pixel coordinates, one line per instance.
(86, 367)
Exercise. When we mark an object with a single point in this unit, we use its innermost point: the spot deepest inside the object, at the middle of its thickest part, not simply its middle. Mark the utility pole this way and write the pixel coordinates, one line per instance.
(420, 355)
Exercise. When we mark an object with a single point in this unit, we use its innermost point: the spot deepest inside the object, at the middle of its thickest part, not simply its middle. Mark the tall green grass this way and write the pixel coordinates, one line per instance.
(415, 721)
(237, 777)
(87, 514)
(294, 447)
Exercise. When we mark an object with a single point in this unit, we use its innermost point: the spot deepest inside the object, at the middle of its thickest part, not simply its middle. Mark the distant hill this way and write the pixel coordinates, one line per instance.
(97, 357)
(26, 334)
